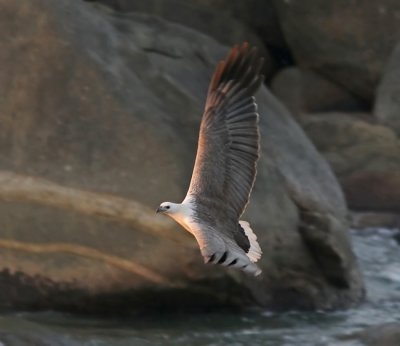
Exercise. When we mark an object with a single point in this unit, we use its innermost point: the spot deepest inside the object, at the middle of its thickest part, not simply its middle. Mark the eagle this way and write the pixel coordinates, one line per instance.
(226, 165)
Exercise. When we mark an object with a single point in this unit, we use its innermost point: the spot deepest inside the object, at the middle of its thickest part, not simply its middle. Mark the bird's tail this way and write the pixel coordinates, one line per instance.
(254, 253)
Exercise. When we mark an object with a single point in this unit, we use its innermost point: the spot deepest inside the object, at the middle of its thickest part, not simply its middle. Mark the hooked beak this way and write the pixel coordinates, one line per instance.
(160, 210)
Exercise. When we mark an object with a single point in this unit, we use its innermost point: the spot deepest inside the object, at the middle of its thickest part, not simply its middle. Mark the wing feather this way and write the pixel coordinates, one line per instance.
(228, 149)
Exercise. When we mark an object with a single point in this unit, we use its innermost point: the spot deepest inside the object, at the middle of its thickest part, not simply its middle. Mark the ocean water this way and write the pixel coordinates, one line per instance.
(379, 256)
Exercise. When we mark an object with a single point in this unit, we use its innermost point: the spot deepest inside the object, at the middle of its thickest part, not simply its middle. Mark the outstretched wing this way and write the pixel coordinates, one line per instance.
(228, 147)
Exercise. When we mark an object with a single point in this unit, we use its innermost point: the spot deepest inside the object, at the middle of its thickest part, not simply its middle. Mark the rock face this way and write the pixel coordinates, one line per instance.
(304, 91)
(347, 51)
(214, 17)
(99, 117)
(387, 103)
(374, 220)
(377, 191)
(352, 54)
(364, 155)
(229, 22)
(382, 335)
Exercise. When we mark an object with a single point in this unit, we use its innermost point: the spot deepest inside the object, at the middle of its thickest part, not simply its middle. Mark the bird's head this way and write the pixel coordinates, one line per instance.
(167, 208)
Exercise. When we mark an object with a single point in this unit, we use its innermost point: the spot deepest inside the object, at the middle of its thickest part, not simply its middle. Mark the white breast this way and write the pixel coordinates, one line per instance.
(184, 216)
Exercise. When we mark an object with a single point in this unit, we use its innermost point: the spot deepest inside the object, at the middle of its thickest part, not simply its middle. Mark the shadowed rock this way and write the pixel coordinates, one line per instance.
(364, 155)
(347, 41)
(387, 101)
(383, 335)
(227, 21)
(304, 91)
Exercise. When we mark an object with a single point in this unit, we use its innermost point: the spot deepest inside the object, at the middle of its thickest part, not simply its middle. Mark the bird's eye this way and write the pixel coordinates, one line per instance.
(167, 207)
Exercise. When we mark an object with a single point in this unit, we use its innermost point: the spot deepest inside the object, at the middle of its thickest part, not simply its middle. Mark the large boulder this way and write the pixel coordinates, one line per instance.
(229, 22)
(383, 335)
(304, 91)
(360, 220)
(373, 190)
(346, 41)
(226, 20)
(387, 102)
(100, 116)
(364, 155)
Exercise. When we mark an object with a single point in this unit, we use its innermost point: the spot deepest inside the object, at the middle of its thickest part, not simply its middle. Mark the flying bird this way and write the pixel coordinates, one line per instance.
(225, 167)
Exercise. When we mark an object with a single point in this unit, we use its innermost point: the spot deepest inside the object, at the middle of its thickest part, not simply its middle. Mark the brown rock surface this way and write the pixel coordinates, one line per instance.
(347, 41)
(387, 101)
(304, 91)
(364, 155)
(375, 219)
(214, 17)
(378, 191)
(228, 22)
(381, 335)
(99, 117)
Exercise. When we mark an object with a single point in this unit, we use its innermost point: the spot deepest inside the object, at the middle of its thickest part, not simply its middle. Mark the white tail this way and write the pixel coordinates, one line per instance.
(254, 253)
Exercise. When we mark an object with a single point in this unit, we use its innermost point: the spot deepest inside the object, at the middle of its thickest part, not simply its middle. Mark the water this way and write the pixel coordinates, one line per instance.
(379, 256)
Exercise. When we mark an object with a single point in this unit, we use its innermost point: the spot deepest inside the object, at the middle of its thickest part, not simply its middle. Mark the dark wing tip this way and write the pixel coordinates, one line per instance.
(241, 70)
